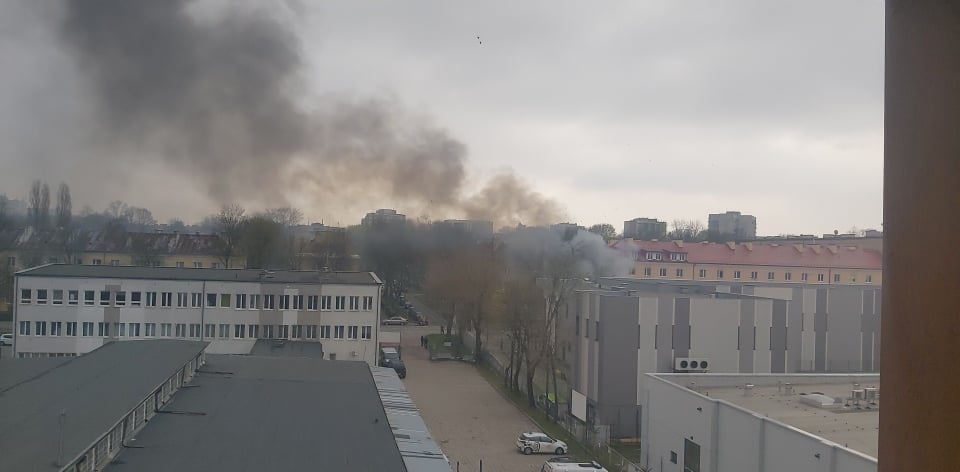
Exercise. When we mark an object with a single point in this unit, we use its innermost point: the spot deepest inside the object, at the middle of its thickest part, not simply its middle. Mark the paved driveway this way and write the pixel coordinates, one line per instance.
(467, 417)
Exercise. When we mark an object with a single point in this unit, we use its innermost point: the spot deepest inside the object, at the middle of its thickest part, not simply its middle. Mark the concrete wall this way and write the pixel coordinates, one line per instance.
(344, 349)
(733, 439)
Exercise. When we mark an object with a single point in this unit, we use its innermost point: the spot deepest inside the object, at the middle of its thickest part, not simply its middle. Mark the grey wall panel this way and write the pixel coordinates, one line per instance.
(664, 333)
(681, 327)
(747, 334)
(778, 337)
(820, 324)
(795, 330)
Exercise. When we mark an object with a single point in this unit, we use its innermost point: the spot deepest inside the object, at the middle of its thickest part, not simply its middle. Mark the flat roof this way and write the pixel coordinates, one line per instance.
(189, 273)
(857, 429)
(95, 391)
(420, 451)
(287, 348)
(269, 413)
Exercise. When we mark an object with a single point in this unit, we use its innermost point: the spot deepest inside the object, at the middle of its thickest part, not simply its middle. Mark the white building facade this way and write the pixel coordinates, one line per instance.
(64, 310)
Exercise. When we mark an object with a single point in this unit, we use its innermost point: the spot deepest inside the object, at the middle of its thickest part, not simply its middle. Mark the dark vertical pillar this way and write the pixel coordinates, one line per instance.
(921, 230)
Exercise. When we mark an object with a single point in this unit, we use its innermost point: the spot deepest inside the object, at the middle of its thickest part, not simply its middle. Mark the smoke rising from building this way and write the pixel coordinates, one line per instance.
(222, 99)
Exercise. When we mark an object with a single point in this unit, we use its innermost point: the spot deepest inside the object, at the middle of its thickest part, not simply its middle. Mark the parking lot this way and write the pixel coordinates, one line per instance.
(467, 417)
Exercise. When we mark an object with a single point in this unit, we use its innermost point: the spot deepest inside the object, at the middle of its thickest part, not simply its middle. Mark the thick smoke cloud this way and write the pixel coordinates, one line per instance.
(222, 98)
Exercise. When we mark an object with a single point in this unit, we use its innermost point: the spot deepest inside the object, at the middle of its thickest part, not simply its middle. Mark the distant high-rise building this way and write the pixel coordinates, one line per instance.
(645, 228)
(383, 217)
(731, 226)
(478, 229)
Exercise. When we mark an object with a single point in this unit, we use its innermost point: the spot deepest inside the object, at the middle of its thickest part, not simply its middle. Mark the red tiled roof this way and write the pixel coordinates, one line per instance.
(790, 255)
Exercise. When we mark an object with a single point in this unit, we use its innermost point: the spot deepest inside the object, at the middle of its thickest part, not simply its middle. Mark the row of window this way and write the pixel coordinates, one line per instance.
(804, 277)
(12, 262)
(193, 330)
(674, 256)
(241, 301)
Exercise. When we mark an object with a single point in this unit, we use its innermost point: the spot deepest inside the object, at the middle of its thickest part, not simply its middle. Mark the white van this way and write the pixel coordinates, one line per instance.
(568, 464)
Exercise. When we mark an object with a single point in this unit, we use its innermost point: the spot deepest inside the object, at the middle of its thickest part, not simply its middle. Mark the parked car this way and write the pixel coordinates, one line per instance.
(390, 357)
(568, 464)
(6, 339)
(395, 320)
(529, 443)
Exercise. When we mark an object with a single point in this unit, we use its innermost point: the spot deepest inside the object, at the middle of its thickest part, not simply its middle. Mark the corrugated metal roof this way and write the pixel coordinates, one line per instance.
(799, 255)
(219, 275)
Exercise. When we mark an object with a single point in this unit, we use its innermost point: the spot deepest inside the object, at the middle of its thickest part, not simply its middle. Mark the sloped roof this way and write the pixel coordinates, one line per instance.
(158, 243)
(790, 255)
(186, 273)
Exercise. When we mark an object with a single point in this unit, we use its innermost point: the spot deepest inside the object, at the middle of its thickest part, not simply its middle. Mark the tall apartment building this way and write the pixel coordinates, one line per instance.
(626, 328)
(644, 228)
(731, 226)
(64, 310)
(383, 217)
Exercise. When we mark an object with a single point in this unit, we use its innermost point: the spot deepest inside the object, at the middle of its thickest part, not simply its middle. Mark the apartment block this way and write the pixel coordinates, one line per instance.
(731, 226)
(644, 228)
(66, 310)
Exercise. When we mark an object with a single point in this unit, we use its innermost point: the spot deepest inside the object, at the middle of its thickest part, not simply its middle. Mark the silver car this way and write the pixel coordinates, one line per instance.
(6, 339)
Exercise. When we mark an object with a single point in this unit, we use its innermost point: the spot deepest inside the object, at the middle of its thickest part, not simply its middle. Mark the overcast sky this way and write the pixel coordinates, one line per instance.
(620, 109)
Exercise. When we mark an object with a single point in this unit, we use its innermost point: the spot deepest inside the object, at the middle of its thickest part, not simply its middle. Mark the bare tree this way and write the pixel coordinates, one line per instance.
(39, 205)
(482, 273)
(64, 206)
(605, 230)
(116, 209)
(139, 218)
(285, 216)
(523, 321)
(228, 225)
(688, 230)
(261, 240)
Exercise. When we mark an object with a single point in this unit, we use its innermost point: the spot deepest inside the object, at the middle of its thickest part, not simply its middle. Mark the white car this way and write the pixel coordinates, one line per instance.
(6, 340)
(529, 443)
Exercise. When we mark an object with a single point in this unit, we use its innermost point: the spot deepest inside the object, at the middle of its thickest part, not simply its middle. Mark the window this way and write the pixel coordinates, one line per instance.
(663, 272)
(298, 302)
(803, 277)
(215, 265)
(194, 330)
(56, 328)
(673, 457)
(210, 330)
(654, 256)
(819, 277)
(165, 330)
(325, 332)
(225, 330)
(678, 256)
(771, 275)
(238, 331)
(366, 332)
(26, 296)
(720, 274)
(182, 299)
(41, 296)
(103, 329)
(166, 299)
(180, 330)
(354, 303)
(151, 299)
(88, 297)
(312, 332)
(836, 278)
(869, 279)
(98, 262)
(134, 330)
(198, 265)
(115, 262)
(853, 277)
(351, 332)
(326, 302)
(87, 327)
(79, 261)
(71, 328)
(254, 331)
(135, 298)
(283, 331)
(312, 302)
(341, 302)
(367, 303)
(576, 328)
(679, 272)
(225, 300)
(338, 332)
(268, 302)
(180, 264)
(24, 328)
(41, 328)
(150, 329)
(703, 273)
(284, 302)
(787, 276)
(73, 297)
(297, 331)
(647, 272)
(12, 261)
(120, 329)
(255, 302)
(120, 299)
(268, 331)
(211, 300)
(196, 299)
(736, 274)
(241, 303)
(57, 297)
(104, 298)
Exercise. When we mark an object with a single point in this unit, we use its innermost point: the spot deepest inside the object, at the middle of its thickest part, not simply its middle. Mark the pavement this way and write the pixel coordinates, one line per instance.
(469, 419)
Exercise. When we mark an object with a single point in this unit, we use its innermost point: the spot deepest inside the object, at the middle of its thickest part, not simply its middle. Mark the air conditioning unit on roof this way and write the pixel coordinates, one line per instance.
(691, 364)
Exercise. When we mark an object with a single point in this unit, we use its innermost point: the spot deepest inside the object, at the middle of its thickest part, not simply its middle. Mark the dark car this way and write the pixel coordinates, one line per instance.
(390, 357)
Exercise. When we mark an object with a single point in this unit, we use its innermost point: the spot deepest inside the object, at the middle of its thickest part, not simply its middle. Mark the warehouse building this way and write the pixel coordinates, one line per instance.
(65, 310)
